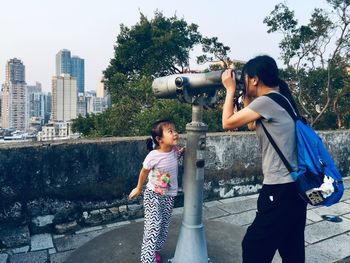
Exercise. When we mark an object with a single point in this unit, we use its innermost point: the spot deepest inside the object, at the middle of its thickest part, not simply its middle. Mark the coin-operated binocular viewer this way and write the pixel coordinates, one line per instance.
(198, 89)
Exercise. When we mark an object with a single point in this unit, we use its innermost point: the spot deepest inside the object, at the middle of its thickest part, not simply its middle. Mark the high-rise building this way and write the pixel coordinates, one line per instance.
(36, 103)
(14, 107)
(102, 93)
(77, 71)
(100, 89)
(48, 107)
(34, 88)
(81, 105)
(63, 62)
(64, 98)
(14, 97)
(15, 71)
(73, 65)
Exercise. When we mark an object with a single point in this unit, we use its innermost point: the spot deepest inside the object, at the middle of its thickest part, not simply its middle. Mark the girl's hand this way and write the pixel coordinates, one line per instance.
(134, 193)
(228, 81)
(182, 151)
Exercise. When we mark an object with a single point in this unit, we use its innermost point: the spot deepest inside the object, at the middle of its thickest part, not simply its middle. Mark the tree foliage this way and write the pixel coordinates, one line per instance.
(317, 58)
(151, 48)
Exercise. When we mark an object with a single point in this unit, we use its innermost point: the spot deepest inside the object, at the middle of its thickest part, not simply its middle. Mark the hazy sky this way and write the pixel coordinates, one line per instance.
(35, 30)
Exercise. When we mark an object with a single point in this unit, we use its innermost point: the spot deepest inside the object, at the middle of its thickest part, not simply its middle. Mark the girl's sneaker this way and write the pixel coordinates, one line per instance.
(157, 257)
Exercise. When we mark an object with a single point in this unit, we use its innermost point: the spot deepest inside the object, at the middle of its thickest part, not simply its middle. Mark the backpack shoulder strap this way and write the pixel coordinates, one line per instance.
(284, 103)
(277, 149)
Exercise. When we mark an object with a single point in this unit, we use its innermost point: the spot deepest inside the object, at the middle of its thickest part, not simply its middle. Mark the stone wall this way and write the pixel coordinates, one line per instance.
(62, 186)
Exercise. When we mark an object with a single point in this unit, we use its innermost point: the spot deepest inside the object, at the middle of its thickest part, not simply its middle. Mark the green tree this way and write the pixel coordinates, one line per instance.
(316, 55)
(214, 51)
(84, 125)
(152, 48)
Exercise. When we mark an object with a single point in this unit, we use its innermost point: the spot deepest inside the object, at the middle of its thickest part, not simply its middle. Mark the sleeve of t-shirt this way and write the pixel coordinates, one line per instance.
(148, 163)
(262, 105)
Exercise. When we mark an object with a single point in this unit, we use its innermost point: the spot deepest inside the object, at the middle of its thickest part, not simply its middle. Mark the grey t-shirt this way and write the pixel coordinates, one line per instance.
(282, 129)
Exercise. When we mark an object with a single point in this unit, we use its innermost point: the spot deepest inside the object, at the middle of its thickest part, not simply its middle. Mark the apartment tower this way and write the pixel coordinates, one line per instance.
(14, 97)
(64, 98)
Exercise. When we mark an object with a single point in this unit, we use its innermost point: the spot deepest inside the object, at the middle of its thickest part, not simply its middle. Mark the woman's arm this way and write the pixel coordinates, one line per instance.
(251, 125)
(138, 189)
(231, 120)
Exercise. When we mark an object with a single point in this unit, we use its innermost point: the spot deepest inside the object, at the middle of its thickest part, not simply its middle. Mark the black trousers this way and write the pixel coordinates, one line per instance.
(279, 225)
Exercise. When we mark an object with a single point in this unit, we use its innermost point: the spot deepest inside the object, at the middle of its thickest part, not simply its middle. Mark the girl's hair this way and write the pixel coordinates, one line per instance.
(265, 68)
(157, 131)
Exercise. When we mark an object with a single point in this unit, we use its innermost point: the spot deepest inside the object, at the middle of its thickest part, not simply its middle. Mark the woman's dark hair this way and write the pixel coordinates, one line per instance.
(265, 68)
(157, 131)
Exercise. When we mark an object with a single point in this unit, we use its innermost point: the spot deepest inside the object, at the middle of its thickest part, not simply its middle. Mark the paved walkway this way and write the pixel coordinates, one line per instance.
(225, 223)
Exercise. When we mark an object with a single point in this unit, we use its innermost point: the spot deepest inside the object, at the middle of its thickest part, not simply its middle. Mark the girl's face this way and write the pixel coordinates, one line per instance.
(170, 136)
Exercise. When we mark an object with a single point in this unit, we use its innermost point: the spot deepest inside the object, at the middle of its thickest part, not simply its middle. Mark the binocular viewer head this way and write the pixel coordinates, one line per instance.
(188, 86)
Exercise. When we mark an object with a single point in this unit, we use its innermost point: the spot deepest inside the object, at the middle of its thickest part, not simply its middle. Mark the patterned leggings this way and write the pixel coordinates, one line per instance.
(158, 209)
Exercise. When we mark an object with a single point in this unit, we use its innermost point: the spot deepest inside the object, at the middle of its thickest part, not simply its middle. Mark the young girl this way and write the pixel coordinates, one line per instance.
(281, 213)
(160, 167)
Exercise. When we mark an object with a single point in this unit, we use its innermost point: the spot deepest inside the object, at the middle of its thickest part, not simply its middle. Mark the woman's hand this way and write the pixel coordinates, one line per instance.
(228, 81)
(134, 193)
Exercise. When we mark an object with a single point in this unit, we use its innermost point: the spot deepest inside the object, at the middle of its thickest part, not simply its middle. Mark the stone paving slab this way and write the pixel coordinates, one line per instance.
(254, 196)
(41, 241)
(23, 249)
(325, 229)
(211, 204)
(30, 257)
(3, 258)
(239, 206)
(327, 252)
(314, 215)
(76, 240)
(309, 222)
(178, 211)
(346, 196)
(234, 199)
(336, 209)
(117, 224)
(242, 219)
(213, 212)
(61, 257)
(88, 229)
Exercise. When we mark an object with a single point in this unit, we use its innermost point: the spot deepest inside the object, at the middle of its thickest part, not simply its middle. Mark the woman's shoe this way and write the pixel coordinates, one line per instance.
(157, 257)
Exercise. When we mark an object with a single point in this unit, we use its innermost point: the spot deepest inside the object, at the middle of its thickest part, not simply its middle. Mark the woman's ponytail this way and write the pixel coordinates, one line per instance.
(285, 91)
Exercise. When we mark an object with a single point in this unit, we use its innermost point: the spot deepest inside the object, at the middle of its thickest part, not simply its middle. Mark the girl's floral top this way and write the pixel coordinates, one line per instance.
(162, 178)
(161, 181)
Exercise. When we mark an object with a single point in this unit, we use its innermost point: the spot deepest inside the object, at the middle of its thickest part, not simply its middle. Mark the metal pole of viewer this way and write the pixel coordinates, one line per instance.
(191, 245)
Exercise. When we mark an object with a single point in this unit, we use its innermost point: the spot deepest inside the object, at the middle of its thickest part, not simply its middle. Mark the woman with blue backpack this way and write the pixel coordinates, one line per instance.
(281, 212)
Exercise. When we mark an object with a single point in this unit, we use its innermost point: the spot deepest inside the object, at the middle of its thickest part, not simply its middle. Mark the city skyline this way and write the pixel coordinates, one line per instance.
(25, 108)
(36, 31)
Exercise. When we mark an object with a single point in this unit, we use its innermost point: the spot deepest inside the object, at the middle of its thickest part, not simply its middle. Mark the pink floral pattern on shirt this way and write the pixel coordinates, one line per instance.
(160, 180)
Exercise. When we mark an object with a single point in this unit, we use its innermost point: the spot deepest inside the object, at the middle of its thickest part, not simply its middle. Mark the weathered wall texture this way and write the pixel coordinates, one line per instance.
(62, 186)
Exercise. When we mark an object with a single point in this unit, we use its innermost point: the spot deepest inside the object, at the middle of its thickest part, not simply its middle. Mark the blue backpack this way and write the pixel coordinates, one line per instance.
(318, 180)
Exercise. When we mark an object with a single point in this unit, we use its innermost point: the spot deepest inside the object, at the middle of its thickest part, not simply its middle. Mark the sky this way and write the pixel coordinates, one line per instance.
(35, 30)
